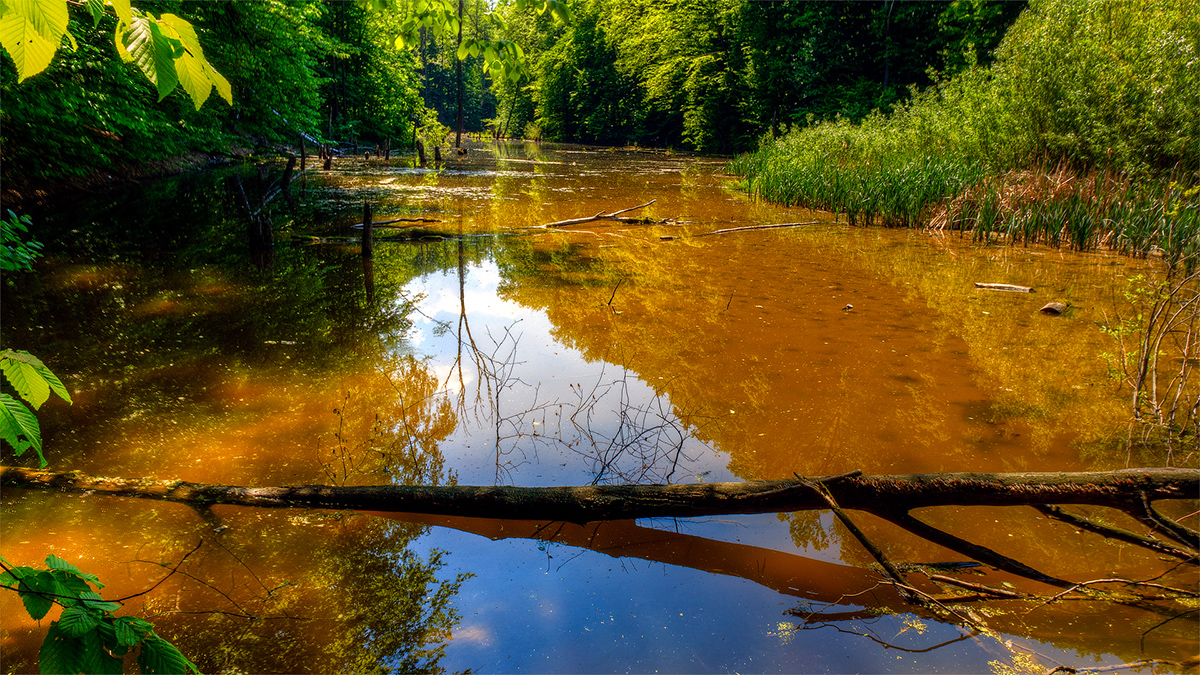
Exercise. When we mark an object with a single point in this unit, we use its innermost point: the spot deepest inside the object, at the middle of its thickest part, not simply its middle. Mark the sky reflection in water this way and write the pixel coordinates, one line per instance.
(598, 356)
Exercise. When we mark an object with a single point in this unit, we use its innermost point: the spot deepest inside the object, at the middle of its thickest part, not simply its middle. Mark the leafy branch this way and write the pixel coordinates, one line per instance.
(87, 637)
(165, 48)
(503, 59)
(33, 381)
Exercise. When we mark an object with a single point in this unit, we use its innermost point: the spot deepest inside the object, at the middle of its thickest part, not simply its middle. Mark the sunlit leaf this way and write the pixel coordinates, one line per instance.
(96, 9)
(19, 427)
(152, 52)
(21, 370)
(224, 90)
(30, 31)
(123, 10)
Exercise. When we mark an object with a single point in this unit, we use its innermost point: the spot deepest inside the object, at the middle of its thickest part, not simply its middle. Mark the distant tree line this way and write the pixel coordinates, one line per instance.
(328, 70)
(715, 75)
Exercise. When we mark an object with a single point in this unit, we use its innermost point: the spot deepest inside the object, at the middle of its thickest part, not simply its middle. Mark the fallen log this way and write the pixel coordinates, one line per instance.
(615, 215)
(581, 504)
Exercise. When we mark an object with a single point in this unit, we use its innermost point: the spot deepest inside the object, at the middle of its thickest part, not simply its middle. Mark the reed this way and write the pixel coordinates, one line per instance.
(874, 185)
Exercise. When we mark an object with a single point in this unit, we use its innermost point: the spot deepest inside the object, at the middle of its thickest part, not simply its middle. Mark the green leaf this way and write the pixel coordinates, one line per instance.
(76, 621)
(96, 659)
(130, 630)
(17, 421)
(60, 652)
(153, 53)
(30, 377)
(160, 656)
(15, 574)
(92, 599)
(463, 50)
(220, 83)
(96, 9)
(123, 10)
(36, 592)
(22, 374)
(56, 563)
(30, 31)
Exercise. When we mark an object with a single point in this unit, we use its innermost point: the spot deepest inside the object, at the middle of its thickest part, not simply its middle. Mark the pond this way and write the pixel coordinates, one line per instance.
(482, 349)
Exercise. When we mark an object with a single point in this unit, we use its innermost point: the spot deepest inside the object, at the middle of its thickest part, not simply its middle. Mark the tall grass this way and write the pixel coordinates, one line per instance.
(1108, 90)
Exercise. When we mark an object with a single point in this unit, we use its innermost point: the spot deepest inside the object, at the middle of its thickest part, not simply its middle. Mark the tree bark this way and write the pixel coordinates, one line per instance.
(876, 494)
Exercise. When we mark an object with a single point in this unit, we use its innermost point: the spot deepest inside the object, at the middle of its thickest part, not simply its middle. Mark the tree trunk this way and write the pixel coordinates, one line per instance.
(876, 494)
(458, 72)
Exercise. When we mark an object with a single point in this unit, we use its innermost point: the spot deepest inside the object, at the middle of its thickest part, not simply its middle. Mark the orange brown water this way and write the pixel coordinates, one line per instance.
(502, 353)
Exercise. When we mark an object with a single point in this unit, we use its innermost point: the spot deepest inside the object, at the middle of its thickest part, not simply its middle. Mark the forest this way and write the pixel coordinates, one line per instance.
(884, 337)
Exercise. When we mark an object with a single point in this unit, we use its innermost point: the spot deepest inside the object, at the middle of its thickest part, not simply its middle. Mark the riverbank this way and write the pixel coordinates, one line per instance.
(18, 193)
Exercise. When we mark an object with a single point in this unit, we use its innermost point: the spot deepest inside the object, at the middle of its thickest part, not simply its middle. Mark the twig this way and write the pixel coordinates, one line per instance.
(1003, 287)
(906, 591)
(386, 223)
(981, 553)
(1117, 533)
(978, 588)
(1180, 533)
(160, 581)
(599, 216)
(1125, 666)
(727, 230)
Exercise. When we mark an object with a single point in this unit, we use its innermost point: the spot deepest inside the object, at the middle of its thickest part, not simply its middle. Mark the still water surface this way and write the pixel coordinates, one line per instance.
(487, 351)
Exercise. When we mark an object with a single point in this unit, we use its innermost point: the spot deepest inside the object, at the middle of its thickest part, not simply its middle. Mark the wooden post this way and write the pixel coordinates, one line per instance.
(437, 155)
(368, 243)
(421, 153)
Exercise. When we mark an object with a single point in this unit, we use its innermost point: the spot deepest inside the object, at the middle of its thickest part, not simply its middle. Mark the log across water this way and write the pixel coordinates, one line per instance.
(580, 504)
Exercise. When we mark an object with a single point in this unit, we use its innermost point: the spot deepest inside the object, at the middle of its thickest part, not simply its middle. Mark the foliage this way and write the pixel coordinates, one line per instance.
(715, 74)
(87, 637)
(33, 381)
(17, 255)
(164, 49)
(992, 128)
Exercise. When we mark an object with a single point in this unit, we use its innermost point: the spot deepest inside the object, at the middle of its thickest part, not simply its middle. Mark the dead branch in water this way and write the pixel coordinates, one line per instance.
(615, 215)
(416, 222)
(777, 226)
(1003, 287)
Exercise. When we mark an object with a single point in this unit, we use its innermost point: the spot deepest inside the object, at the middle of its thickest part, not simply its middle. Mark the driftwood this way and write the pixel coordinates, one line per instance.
(1004, 287)
(615, 215)
(885, 495)
(777, 226)
(416, 222)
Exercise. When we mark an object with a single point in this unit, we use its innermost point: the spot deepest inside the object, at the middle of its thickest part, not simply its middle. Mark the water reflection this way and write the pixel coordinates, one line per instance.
(509, 355)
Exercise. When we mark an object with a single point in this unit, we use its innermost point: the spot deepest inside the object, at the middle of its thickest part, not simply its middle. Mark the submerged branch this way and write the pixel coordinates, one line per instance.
(615, 215)
(776, 226)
